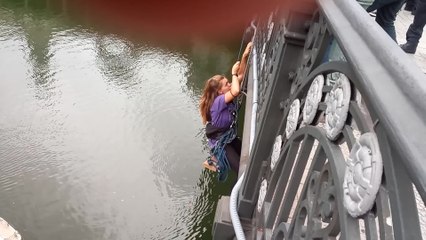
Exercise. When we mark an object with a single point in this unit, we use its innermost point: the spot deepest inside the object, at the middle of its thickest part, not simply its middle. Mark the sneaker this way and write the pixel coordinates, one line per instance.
(409, 47)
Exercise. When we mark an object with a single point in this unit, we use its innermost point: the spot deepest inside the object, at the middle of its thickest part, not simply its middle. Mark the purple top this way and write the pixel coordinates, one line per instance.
(221, 114)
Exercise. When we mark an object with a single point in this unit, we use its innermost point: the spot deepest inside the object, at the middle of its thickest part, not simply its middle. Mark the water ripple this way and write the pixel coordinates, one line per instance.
(100, 136)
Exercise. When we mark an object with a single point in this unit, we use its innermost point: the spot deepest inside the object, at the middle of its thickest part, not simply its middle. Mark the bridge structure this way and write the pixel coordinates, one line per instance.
(339, 145)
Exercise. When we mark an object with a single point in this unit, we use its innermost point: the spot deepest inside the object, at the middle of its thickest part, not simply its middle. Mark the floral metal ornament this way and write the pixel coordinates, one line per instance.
(337, 107)
(276, 151)
(313, 99)
(262, 194)
(363, 175)
(292, 118)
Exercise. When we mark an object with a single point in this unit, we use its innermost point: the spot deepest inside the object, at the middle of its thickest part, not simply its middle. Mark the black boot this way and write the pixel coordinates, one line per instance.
(409, 47)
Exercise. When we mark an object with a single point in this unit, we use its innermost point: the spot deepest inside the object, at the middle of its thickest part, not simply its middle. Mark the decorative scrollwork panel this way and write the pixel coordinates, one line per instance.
(321, 210)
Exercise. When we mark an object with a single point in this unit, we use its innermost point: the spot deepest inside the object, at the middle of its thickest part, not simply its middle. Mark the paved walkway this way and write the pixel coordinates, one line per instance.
(402, 23)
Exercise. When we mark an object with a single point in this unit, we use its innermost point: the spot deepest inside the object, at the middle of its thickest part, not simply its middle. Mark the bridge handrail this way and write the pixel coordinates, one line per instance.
(395, 86)
(303, 184)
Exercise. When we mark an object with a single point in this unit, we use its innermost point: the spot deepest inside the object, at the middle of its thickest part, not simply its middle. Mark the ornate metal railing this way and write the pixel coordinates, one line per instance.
(341, 135)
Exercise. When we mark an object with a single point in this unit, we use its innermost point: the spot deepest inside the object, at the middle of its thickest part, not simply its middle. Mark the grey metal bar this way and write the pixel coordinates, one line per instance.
(316, 166)
(245, 153)
(361, 40)
(283, 180)
(296, 176)
(405, 217)
(349, 136)
(359, 118)
(370, 227)
(383, 212)
(275, 175)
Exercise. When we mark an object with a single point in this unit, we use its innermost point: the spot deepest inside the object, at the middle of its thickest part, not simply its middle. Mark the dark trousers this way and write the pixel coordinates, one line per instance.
(410, 4)
(233, 152)
(386, 14)
(414, 32)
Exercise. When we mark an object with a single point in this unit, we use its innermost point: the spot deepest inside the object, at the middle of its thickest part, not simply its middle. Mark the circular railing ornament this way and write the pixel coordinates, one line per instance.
(313, 99)
(262, 194)
(363, 175)
(337, 107)
(292, 118)
(276, 151)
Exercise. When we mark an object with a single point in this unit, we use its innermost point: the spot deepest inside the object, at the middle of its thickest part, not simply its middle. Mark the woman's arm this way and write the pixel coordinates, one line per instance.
(238, 71)
(235, 85)
(243, 64)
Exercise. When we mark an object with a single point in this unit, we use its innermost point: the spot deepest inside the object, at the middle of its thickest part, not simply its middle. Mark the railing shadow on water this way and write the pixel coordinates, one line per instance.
(341, 130)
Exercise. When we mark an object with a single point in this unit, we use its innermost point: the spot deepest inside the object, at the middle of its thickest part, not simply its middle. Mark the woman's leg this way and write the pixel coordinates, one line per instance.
(233, 155)
(236, 144)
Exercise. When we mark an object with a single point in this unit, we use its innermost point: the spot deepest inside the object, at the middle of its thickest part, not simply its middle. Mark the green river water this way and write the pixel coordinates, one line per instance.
(100, 136)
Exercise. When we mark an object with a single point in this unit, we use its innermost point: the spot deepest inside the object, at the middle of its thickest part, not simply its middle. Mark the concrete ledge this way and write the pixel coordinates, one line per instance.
(222, 225)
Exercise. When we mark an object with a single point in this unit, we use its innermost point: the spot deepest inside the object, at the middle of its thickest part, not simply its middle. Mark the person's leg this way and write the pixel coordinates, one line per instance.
(233, 157)
(415, 31)
(416, 3)
(236, 144)
(410, 5)
(386, 16)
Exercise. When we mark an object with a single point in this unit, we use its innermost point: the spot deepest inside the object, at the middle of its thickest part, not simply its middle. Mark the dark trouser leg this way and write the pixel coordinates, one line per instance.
(233, 151)
(386, 16)
(414, 32)
(236, 144)
(410, 5)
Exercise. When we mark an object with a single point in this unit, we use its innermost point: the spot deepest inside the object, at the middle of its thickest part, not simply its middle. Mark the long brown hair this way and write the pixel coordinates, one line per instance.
(210, 92)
